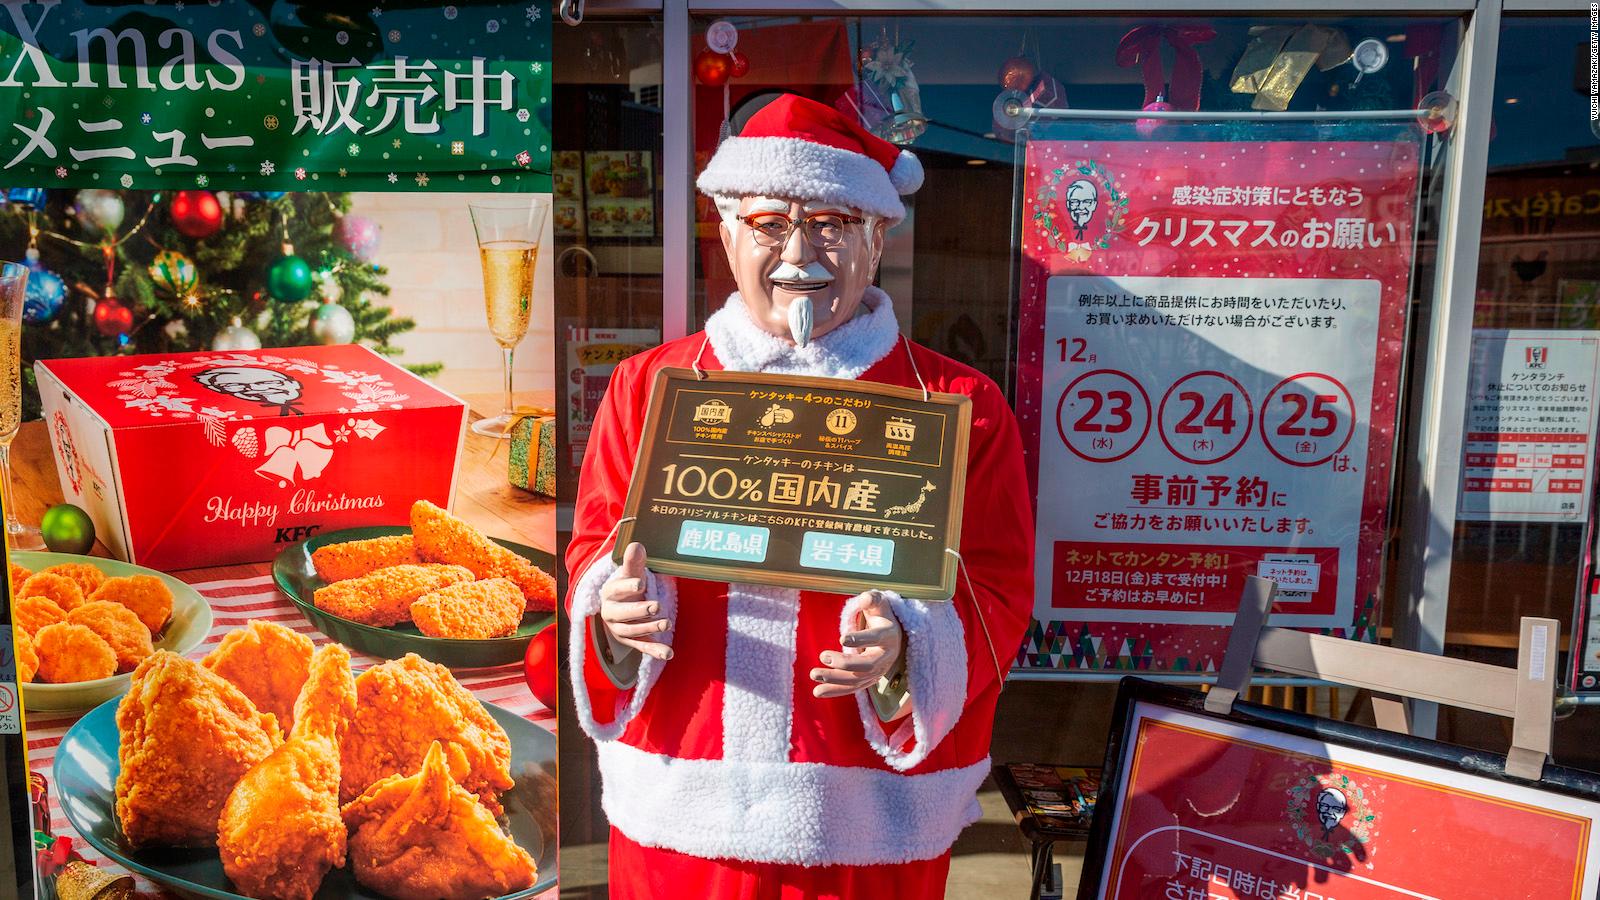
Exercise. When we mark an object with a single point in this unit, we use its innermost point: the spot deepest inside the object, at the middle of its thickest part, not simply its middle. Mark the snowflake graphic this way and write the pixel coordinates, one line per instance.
(271, 122)
(202, 180)
(393, 178)
(61, 171)
(267, 168)
(492, 26)
(354, 149)
(342, 37)
(536, 68)
(342, 171)
(422, 179)
(533, 13)
(127, 181)
(178, 6)
(144, 118)
(450, 13)
(300, 173)
(376, 12)
(522, 115)
(397, 143)
(394, 35)
(524, 158)
(258, 29)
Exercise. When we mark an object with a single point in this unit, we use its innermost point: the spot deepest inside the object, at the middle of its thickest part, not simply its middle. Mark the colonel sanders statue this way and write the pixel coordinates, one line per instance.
(764, 742)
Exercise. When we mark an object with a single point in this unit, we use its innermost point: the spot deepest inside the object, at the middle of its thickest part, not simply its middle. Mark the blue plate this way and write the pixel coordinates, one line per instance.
(85, 777)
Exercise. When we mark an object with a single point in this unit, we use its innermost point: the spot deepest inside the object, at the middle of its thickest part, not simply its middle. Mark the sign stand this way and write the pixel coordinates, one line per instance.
(1525, 694)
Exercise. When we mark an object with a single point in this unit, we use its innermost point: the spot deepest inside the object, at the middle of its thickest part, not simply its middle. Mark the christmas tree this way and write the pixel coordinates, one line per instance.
(124, 272)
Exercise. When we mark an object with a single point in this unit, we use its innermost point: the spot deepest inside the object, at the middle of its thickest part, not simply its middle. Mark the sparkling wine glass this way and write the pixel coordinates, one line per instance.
(509, 230)
(13, 288)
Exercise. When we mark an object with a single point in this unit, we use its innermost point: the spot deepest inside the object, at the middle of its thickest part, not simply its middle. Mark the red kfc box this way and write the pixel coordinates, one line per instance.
(201, 459)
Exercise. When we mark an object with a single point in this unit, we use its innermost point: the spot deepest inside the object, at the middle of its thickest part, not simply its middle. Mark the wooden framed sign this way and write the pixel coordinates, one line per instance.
(1267, 803)
(813, 483)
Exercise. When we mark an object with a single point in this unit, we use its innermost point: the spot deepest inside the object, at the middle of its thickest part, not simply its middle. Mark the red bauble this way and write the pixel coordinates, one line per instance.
(112, 318)
(196, 213)
(712, 68)
(741, 65)
(539, 666)
(1147, 127)
(1017, 73)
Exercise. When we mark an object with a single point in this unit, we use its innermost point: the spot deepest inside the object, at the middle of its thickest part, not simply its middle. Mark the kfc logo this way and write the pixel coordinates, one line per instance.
(1537, 357)
(257, 385)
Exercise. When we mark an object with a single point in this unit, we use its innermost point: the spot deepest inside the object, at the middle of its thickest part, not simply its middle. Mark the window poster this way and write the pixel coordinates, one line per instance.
(1210, 357)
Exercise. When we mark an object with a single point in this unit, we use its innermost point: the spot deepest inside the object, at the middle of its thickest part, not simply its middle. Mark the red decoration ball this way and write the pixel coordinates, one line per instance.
(196, 213)
(1017, 73)
(741, 65)
(540, 666)
(712, 68)
(112, 318)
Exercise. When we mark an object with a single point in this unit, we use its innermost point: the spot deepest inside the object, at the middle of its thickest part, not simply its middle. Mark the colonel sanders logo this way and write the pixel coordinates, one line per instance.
(1082, 201)
(1331, 808)
(264, 386)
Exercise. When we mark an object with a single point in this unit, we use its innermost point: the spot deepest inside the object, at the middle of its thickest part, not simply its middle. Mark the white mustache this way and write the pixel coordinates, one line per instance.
(811, 271)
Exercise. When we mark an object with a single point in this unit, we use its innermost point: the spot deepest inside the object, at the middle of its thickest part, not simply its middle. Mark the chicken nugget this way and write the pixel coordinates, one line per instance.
(118, 626)
(384, 597)
(148, 597)
(33, 613)
(443, 538)
(472, 609)
(268, 662)
(63, 590)
(88, 577)
(70, 653)
(353, 559)
(19, 574)
(27, 657)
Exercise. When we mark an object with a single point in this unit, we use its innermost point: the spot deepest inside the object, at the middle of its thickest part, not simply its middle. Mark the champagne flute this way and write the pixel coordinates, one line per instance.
(509, 230)
(13, 289)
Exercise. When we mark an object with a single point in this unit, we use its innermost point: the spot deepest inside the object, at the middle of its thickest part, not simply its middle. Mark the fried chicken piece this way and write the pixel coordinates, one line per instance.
(148, 597)
(117, 626)
(281, 831)
(384, 597)
(30, 614)
(405, 704)
(444, 538)
(58, 588)
(424, 837)
(472, 609)
(72, 653)
(88, 577)
(27, 657)
(353, 559)
(188, 736)
(19, 575)
(266, 661)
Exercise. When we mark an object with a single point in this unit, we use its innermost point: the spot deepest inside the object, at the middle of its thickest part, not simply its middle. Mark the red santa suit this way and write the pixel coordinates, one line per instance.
(723, 776)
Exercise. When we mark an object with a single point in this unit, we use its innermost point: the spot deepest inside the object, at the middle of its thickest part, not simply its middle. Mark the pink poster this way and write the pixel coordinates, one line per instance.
(1210, 358)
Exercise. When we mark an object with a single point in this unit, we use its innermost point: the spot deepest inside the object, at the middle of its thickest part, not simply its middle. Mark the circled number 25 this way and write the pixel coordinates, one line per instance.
(1318, 408)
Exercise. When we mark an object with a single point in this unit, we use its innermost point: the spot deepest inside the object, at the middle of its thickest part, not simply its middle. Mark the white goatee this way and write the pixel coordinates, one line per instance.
(801, 320)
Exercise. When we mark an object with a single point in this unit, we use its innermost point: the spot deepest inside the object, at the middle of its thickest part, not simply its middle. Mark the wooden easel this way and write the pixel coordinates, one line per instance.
(1525, 694)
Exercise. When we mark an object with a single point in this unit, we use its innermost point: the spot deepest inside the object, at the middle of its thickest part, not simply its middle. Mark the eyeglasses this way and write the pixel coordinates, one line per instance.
(825, 230)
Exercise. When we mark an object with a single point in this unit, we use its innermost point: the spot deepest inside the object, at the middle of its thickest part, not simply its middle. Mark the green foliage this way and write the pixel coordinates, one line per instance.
(232, 265)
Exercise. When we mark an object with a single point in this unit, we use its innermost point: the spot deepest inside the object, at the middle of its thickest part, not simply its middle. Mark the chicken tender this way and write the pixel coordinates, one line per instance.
(404, 705)
(353, 559)
(472, 609)
(70, 653)
(424, 837)
(384, 597)
(27, 657)
(30, 614)
(148, 597)
(59, 588)
(281, 831)
(444, 538)
(266, 661)
(187, 737)
(88, 577)
(19, 574)
(118, 627)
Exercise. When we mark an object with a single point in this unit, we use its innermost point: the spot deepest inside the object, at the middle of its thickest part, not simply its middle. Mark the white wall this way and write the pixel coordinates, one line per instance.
(434, 277)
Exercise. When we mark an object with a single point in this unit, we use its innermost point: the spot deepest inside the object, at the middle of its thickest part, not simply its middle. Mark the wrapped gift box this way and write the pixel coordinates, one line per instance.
(201, 459)
(533, 451)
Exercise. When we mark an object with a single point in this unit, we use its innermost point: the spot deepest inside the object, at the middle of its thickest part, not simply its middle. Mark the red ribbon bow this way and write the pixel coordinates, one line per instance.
(1142, 47)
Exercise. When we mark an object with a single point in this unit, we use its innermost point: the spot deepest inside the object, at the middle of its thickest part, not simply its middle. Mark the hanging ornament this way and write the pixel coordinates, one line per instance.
(1142, 47)
(358, 236)
(195, 213)
(175, 272)
(100, 209)
(236, 337)
(46, 291)
(740, 66)
(333, 324)
(890, 98)
(67, 529)
(1147, 127)
(712, 68)
(27, 198)
(288, 277)
(112, 317)
(1017, 73)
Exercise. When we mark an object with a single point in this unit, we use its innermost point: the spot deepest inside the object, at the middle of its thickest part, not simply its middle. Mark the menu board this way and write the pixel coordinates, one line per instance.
(619, 188)
(815, 483)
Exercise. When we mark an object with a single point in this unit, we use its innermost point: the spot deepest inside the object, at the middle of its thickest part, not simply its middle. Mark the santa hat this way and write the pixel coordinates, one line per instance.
(799, 148)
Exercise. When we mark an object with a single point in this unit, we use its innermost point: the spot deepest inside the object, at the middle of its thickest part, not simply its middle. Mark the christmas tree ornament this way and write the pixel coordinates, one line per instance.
(1142, 47)
(288, 277)
(890, 97)
(1147, 127)
(712, 68)
(1017, 73)
(67, 529)
(112, 317)
(26, 198)
(196, 214)
(46, 291)
(333, 324)
(100, 209)
(741, 65)
(358, 236)
(236, 337)
(174, 272)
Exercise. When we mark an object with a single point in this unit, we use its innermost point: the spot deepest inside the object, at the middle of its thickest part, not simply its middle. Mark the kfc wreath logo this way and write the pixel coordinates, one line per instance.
(1078, 209)
(1331, 814)
(254, 384)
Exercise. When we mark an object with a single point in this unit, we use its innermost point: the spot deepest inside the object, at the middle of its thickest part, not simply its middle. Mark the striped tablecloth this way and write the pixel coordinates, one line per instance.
(233, 604)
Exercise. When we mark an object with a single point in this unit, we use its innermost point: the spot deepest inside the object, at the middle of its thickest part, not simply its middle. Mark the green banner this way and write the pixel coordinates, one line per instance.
(230, 95)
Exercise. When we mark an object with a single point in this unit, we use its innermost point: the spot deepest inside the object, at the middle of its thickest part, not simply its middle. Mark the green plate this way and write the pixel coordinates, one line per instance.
(296, 576)
(85, 776)
(191, 622)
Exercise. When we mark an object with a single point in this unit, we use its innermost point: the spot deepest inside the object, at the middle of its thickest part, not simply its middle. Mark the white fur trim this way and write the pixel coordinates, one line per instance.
(795, 813)
(794, 168)
(844, 352)
(758, 688)
(936, 667)
(906, 176)
(585, 605)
